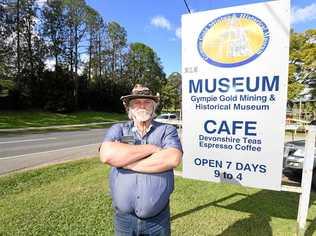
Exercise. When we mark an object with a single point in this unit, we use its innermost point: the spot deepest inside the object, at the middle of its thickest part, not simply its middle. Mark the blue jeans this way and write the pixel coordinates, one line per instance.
(131, 225)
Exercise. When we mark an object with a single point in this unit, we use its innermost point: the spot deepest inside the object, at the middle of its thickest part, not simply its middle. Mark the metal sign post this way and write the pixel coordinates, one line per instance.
(306, 180)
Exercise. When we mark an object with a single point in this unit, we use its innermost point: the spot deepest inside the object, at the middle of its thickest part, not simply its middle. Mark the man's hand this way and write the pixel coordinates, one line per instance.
(120, 154)
(163, 160)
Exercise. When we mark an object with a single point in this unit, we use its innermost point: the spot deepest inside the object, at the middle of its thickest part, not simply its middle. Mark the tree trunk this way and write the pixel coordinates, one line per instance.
(76, 67)
(113, 63)
(29, 43)
(99, 55)
(90, 55)
(18, 44)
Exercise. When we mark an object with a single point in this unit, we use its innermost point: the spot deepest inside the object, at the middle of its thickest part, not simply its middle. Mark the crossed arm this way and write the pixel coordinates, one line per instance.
(146, 158)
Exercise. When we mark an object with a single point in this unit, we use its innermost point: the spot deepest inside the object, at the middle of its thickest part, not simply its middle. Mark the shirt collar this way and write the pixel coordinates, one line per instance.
(152, 125)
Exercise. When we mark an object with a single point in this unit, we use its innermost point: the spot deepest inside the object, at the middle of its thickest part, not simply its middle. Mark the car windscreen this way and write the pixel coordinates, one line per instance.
(162, 117)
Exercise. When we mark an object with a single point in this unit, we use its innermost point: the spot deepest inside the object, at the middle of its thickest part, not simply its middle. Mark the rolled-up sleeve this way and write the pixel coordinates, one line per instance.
(171, 138)
(113, 134)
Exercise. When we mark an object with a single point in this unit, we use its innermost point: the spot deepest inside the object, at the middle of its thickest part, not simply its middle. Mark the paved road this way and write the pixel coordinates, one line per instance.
(28, 150)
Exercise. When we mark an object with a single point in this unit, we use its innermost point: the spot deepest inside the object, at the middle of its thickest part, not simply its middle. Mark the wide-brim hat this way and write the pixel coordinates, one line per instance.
(139, 91)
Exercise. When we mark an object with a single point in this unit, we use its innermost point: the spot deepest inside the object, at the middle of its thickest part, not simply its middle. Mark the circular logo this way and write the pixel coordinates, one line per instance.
(233, 40)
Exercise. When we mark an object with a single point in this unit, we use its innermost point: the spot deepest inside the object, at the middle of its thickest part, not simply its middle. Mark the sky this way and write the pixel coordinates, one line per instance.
(157, 23)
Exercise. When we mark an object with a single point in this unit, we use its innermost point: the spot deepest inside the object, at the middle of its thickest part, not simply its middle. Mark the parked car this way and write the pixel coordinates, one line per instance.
(166, 117)
(294, 152)
(169, 118)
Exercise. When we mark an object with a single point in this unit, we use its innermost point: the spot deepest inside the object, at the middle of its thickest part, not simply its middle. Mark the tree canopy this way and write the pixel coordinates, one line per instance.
(302, 68)
(64, 56)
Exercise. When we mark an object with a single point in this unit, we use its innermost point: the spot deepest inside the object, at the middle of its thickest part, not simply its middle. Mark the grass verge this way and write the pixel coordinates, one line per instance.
(24, 119)
(72, 199)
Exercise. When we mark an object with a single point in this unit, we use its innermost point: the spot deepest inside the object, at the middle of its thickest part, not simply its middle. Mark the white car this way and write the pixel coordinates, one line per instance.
(168, 118)
(293, 157)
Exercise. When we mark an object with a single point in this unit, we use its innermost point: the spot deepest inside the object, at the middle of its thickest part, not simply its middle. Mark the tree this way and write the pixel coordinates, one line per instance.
(7, 27)
(75, 14)
(302, 69)
(114, 52)
(53, 31)
(23, 49)
(294, 87)
(144, 66)
(57, 87)
(171, 92)
(94, 27)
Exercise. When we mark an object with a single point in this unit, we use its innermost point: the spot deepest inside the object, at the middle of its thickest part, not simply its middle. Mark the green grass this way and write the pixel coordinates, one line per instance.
(24, 119)
(72, 199)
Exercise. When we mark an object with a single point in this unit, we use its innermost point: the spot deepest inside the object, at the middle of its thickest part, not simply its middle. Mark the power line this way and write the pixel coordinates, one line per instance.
(185, 2)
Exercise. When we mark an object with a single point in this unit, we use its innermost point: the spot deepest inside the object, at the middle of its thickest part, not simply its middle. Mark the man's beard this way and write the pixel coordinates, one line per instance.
(141, 115)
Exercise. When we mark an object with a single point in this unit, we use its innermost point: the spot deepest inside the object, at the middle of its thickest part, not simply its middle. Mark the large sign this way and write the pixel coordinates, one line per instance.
(234, 84)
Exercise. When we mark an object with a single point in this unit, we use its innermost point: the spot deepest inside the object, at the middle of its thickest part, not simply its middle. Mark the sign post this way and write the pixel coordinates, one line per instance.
(306, 179)
(234, 84)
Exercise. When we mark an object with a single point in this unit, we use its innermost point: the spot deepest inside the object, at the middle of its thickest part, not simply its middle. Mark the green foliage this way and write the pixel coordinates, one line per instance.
(67, 30)
(5, 87)
(53, 30)
(106, 96)
(294, 89)
(117, 36)
(303, 58)
(144, 66)
(171, 92)
(58, 90)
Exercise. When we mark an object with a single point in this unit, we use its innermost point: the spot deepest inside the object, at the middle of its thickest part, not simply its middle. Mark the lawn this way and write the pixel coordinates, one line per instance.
(24, 119)
(72, 199)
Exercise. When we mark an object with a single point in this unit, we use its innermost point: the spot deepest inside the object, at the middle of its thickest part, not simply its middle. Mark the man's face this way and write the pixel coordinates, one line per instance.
(141, 109)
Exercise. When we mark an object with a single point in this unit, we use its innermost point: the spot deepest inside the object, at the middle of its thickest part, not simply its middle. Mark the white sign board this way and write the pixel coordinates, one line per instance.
(234, 85)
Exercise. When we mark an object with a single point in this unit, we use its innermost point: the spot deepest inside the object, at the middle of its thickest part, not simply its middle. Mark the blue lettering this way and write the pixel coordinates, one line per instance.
(223, 128)
(274, 86)
(204, 162)
(255, 167)
(222, 84)
(250, 126)
(257, 84)
(213, 87)
(238, 81)
(206, 126)
(250, 167)
(235, 84)
(247, 167)
(198, 86)
(239, 166)
(197, 161)
(263, 168)
(237, 125)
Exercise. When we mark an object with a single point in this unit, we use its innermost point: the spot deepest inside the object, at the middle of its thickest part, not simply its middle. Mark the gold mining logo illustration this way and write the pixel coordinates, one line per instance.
(233, 40)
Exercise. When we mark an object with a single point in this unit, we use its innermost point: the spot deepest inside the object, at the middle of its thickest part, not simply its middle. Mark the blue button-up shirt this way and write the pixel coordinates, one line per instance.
(139, 193)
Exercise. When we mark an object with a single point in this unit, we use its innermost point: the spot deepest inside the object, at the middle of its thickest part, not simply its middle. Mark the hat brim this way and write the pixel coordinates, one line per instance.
(128, 98)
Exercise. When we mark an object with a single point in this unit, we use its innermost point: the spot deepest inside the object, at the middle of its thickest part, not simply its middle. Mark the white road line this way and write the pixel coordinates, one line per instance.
(27, 140)
(36, 153)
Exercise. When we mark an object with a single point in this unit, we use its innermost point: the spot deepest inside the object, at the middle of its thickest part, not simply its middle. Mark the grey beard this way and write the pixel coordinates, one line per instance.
(140, 115)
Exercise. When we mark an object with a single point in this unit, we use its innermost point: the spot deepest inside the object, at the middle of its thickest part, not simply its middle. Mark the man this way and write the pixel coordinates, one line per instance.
(142, 154)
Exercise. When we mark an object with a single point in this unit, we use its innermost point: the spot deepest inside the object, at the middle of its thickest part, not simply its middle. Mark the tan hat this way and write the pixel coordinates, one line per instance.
(139, 91)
